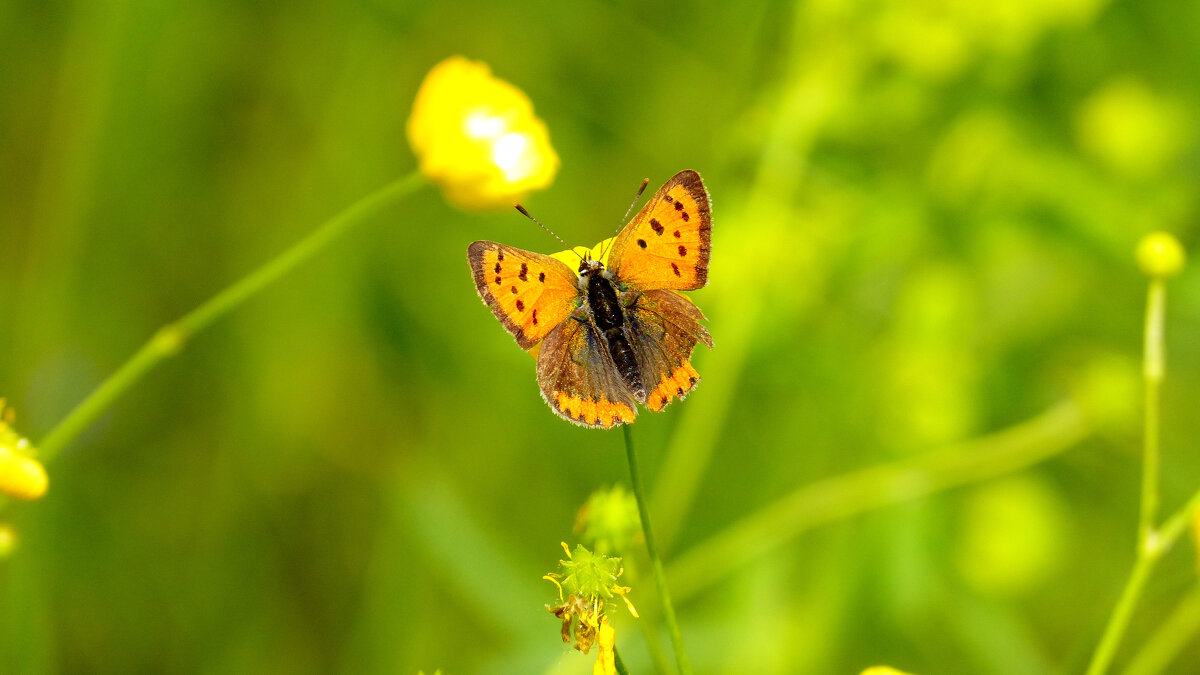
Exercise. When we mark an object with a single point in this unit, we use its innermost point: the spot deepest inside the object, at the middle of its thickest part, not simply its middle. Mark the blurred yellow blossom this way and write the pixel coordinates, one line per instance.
(477, 136)
(21, 476)
(1160, 255)
(1011, 536)
(8, 539)
(1132, 129)
(883, 670)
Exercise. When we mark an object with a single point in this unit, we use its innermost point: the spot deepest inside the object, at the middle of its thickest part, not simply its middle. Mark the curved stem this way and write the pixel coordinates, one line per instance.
(681, 657)
(832, 499)
(170, 339)
(1151, 543)
(1153, 368)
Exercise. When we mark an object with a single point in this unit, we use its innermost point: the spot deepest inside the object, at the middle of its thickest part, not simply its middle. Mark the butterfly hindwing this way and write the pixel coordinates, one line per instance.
(667, 245)
(578, 379)
(664, 326)
(529, 293)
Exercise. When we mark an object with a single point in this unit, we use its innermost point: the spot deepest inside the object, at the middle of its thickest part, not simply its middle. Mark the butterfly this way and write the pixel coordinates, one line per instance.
(614, 332)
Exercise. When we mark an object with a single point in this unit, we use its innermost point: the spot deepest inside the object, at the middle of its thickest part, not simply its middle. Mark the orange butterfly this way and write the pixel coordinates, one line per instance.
(617, 335)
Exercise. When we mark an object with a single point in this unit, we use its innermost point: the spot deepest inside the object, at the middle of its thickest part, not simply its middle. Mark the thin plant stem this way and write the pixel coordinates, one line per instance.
(1153, 368)
(653, 644)
(1046, 435)
(668, 610)
(1119, 619)
(173, 337)
(1151, 543)
(1171, 637)
(620, 664)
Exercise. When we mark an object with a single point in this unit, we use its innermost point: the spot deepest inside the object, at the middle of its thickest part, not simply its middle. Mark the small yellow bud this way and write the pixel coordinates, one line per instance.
(8, 539)
(476, 136)
(21, 476)
(1160, 255)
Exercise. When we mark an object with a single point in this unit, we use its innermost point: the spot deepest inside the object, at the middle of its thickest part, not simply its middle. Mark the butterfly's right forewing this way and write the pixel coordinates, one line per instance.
(668, 243)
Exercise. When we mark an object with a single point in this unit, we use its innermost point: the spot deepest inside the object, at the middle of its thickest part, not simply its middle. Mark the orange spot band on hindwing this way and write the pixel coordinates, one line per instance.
(675, 385)
(603, 412)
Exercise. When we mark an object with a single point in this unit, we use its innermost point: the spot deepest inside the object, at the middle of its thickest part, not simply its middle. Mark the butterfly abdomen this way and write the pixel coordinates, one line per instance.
(610, 319)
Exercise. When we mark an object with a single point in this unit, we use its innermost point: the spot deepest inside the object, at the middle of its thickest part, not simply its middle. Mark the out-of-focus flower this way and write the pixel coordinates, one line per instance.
(1133, 130)
(21, 476)
(8, 540)
(477, 136)
(1011, 538)
(883, 670)
(1160, 255)
(609, 520)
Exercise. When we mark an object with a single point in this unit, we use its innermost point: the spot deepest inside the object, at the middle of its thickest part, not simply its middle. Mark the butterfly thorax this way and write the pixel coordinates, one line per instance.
(604, 304)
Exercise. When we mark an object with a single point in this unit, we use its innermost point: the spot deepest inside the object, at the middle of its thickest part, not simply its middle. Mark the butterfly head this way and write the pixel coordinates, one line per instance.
(589, 266)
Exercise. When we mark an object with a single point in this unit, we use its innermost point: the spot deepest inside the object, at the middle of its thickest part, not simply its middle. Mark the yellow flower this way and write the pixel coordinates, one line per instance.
(21, 476)
(477, 137)
(599, 252)
(882, 670)
(8, 540)
(586, 584)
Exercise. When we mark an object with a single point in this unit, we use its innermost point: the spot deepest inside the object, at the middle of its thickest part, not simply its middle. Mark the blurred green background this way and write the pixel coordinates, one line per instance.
(924, 218)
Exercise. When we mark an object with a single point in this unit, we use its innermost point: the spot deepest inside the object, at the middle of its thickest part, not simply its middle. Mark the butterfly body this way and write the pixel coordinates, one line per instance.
(608, 318)
(615, 333)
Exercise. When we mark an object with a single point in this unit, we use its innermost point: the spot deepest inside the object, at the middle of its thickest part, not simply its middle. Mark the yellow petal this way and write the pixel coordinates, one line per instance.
(606, 660)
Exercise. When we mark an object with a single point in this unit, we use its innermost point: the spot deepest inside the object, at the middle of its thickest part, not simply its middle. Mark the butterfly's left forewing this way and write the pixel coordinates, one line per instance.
(529, 293)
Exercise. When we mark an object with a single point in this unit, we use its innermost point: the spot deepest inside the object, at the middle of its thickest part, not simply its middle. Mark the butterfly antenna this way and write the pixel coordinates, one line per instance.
(625, 218)
(552, 234)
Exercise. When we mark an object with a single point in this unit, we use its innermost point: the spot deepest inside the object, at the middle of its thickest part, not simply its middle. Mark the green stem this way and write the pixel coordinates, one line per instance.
(1151, 544)
(1150, 550)
(1152, 372)
(839, 497)
(620, 664)
(681, 657)
(649, 631)
(170, 339)
(1171, 637)
(1119, 619)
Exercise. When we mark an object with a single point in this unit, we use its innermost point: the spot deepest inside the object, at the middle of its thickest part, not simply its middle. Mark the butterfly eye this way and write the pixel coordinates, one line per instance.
(584, 265)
